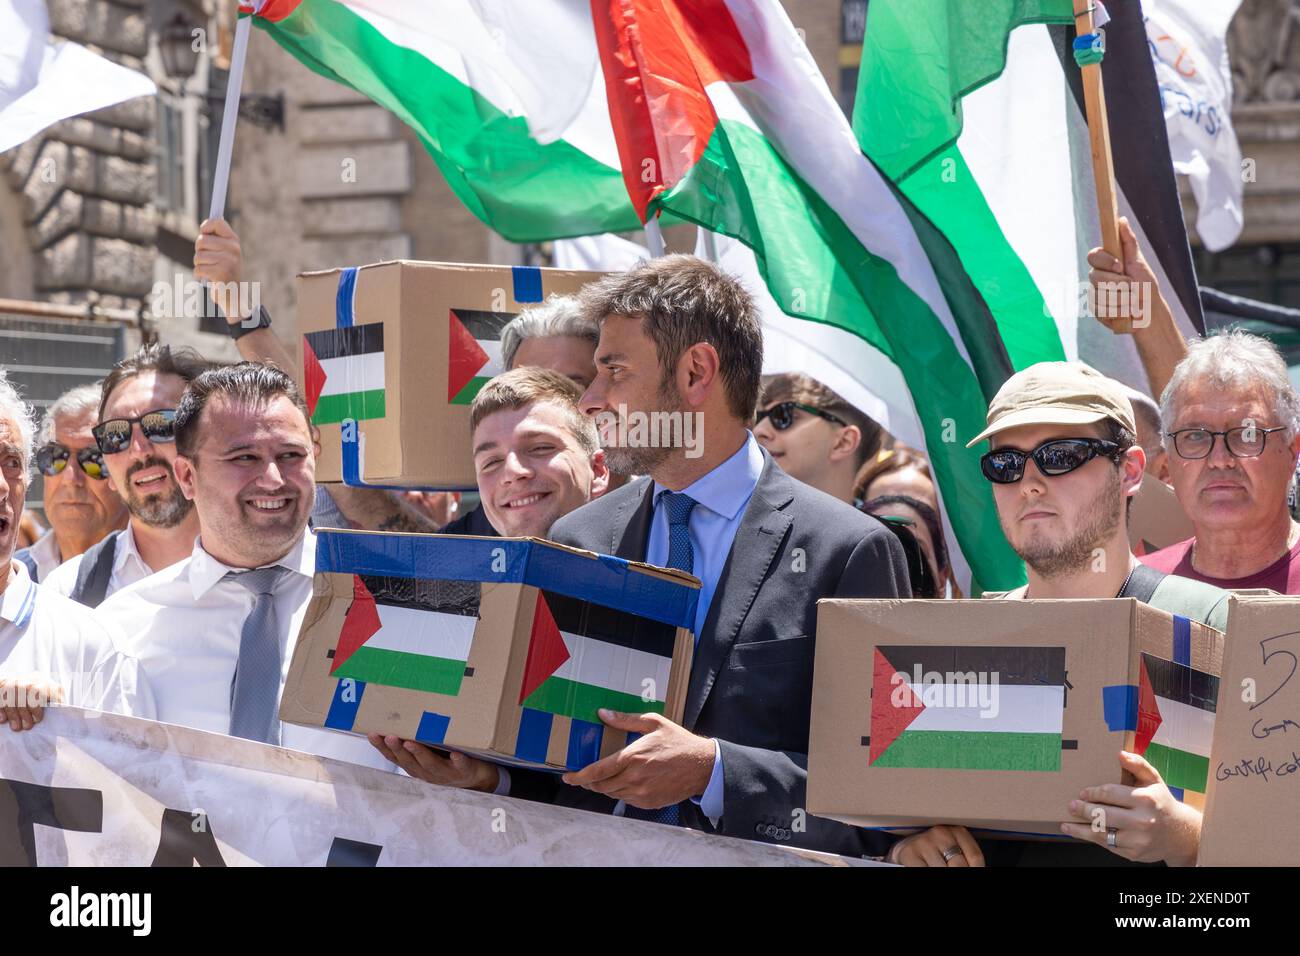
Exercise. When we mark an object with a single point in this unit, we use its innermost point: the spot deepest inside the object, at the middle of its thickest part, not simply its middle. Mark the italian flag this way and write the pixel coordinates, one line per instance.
(1176, 708)
(403, 633)
(474, 351)
(928, 710)
(582, 657)
(343, 373)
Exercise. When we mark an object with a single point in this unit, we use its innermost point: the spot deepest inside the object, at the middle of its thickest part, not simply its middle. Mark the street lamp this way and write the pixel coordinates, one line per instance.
(180, 59)
(180, 56)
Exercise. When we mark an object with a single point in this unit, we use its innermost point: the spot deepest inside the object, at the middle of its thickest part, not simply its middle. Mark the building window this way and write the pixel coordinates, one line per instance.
(853, 27)
(853, 21)
(1266, 273)
(171, 154)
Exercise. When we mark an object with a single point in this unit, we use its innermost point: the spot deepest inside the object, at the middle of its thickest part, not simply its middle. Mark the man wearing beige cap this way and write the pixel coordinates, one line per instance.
(1063, 461)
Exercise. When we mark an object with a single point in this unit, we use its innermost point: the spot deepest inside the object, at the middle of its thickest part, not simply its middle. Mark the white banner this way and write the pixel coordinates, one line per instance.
(90, 789)
(1188, 40)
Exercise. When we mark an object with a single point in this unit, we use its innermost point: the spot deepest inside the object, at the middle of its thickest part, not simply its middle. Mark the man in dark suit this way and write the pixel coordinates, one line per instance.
(681, 345)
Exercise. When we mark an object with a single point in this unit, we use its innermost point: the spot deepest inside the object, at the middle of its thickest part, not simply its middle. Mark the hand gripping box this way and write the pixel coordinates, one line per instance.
(392, 354)
(504, 648)
(995, 714)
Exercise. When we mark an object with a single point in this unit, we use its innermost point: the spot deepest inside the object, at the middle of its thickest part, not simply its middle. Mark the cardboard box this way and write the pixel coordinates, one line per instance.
(499, 647)
(900, 737)
(1250, 809)
(401, 348)
(1156, 519)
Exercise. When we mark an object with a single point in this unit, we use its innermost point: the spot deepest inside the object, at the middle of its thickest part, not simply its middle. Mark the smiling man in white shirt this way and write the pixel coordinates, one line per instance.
(215, 632)
(50, 648)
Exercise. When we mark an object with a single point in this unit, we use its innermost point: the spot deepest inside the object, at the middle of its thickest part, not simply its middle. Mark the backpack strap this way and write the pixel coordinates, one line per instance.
(1142, 583)
(94, 572)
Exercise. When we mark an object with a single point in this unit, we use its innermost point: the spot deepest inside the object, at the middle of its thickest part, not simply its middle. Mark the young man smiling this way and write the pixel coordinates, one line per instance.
(537, 458)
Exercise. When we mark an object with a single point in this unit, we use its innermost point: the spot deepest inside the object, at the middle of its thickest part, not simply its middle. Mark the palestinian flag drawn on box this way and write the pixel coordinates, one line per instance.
(474, 351)
(343, 373)
(1176, 707)
(927, 710)
(404, 632)
(583, 656)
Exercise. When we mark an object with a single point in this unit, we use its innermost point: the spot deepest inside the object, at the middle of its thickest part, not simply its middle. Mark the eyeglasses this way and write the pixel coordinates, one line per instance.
(782, 414)
(51, 459)
(1006, 466)
(1244, 442)
(114, 435)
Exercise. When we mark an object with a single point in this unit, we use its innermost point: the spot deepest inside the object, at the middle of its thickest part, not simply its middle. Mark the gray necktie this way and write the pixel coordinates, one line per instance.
(255, 691)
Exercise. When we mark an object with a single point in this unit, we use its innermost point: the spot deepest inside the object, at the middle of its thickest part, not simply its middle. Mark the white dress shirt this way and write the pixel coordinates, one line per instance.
(128, 567)
(43, 633)
(184, 625)
(47, 555)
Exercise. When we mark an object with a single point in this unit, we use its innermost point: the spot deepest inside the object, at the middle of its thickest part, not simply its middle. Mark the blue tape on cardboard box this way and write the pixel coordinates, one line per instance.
(602, 633)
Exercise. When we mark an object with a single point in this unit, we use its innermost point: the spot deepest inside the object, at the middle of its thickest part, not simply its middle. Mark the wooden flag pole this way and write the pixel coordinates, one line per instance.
(1103, 169)
(229, 116)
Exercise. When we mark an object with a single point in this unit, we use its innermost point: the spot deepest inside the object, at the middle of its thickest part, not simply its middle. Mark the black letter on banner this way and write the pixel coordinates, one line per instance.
(353, 853)
(179, 845)
(24, 805)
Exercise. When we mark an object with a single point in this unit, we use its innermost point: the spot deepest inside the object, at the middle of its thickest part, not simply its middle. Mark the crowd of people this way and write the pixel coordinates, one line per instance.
(181, 500)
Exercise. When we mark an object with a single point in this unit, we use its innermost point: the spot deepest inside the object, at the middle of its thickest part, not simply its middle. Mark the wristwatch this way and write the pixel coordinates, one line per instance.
(239, 329)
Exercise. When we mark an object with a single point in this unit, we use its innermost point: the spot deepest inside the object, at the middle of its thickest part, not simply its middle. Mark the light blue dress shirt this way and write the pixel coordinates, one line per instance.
(722, 496)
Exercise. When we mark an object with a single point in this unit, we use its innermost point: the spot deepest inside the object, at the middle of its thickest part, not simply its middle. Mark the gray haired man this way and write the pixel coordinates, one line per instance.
(554, 335)
(81, 505)
(1232, 431)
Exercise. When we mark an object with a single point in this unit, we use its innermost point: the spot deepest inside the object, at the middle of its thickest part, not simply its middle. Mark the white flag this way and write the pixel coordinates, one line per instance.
(43, 80)
(1188, 40)
(603, 253)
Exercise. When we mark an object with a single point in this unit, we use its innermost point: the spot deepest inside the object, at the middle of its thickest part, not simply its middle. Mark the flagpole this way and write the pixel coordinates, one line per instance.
(1103, 169)
(654, 238)
(229, 116)
(710, 244)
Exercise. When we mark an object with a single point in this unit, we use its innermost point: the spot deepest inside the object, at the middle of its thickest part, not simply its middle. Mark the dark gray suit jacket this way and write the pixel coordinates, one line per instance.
(751, 682)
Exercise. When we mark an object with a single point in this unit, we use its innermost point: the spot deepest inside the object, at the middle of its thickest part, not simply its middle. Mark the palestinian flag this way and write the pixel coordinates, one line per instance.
(474, 351)
(936, 707)
(343, 373)
(404, 632)
(583, 656)
(981, 123)
(1175, 722)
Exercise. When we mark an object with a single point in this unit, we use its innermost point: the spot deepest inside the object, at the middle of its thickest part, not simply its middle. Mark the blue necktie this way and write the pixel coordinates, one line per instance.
(681, 555)
(255, 691)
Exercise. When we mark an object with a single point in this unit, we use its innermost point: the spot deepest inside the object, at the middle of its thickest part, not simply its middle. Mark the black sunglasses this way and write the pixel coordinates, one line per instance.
(51, 459)
(114, 435)
(1061, 456)
(782, 414)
